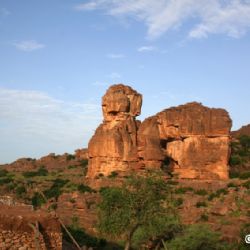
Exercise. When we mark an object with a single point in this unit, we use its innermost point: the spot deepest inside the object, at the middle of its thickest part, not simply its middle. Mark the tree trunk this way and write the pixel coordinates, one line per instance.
(127, 245)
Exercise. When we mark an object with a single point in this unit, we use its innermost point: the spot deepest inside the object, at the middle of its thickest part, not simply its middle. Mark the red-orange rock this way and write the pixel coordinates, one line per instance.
(114, 145)
(191, 139)
(195, 141)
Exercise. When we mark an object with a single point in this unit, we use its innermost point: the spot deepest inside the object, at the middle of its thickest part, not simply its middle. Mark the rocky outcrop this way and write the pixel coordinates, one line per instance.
(190, 140)
(244, 130)
(114, 145)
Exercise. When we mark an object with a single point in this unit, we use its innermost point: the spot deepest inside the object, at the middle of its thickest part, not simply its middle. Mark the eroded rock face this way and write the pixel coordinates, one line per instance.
(194, 141)
(114, 145)
(190, 140)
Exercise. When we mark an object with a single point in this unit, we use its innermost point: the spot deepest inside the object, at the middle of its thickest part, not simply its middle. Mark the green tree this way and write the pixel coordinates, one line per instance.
(140, 210)
(197, 237)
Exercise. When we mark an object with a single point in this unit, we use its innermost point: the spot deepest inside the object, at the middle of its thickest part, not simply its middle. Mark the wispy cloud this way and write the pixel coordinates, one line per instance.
(231, 17)
(35, 120)
(115, 56)
(28, 45)
(146, 49)
(86, 6)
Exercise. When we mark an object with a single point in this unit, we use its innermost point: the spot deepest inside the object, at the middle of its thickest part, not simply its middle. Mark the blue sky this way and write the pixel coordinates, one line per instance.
(57, 58)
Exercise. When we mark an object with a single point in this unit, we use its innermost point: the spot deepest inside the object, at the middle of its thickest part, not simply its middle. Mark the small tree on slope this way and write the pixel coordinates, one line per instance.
(141, 209)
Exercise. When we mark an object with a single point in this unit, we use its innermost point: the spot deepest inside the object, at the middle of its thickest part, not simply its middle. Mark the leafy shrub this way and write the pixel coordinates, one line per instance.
(71, 167)
(234, 174)
(55, 190)
(82, 238)
(204, 217)
(201, 204)
(232, 185)
(217, 194)
(178, 202)
(37, 200)
(235, 160)
(183, 190)
(197, 237)
(70, 157)
(113, 174)
(201, 192)
(42, 171)
(246, 184)
(5, 180)
(85, 189)
(84, 163)
(3, 172)
(245, 175)
(20, 191)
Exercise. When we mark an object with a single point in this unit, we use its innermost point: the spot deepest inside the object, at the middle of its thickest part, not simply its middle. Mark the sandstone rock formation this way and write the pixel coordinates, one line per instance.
(192, 141)
(189, 140)
(244, 130)
(114, 145)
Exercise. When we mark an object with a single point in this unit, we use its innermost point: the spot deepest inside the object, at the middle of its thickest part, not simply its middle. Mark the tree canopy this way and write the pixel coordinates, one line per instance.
(141, 209)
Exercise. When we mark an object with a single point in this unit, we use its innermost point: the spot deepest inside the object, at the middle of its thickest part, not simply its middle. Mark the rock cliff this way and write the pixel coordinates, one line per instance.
(190, 140)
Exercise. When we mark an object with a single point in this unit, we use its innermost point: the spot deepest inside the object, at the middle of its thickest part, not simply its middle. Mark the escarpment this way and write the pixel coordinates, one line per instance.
(191, 140)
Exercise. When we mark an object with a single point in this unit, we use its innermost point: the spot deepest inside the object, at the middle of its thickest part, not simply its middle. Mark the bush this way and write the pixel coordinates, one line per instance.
(82, 238)
(55, 190)
(84, 163)
(246, 184)
(37, 200)
(245, 175)
(197, 237)
(113, 174)
(201, 204)
(231, 185)
(234, 174)
(183, 190)
(20, 191)
(42, 171)
(5, 180)
(70, 157)
(204, 217)
(235, 160)
(3, 172)
(217, 194)
(85, 189)
(201, 192)
(178, 202)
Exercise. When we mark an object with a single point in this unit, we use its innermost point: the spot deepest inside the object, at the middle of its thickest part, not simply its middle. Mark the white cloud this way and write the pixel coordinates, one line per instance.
(230, 17)
(86, 6)
(115, 56)
(28, 45)
(146, 48)
(35, 123)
